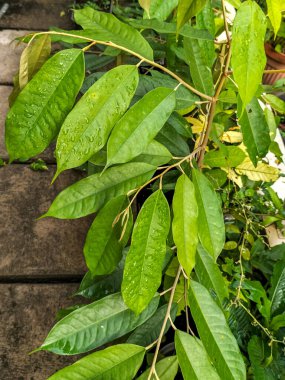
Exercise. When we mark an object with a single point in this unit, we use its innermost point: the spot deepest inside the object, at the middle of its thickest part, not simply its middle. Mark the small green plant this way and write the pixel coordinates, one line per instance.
(179, 128)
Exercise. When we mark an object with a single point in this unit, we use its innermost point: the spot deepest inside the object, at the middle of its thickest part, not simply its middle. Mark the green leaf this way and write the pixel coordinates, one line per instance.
(145, 4)
(188, 9)
(277, 322)
(155, 154)
(211, 229)
(256, 355)
(184, 225)
(173, 141)
(248, 56)
(277, 290)
(120, 361)
(255, 131)
(87, 127)
(139, 126)
(199, 70)
(149, 331)
(274, 9)
(193, 358)
(215, 334)
(184, 97)
(161, 9)
(108, 28)
(39, 110)
(95, 324)
(210, 276)
(276, 103)
(166, 369)
(103, 248)
(90, 194)
(227, 157)
(143, 268)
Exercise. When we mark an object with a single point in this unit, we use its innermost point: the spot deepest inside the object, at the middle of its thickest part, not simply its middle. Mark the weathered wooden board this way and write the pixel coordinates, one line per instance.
(48, 247)
(27, 314)
(35, 14)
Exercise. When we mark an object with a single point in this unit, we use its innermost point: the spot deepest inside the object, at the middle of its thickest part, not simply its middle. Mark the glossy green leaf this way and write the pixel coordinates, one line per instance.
(277, 290)
(215, 334)
(274, 9)
(87, 127)
(149, 331)
(193, 359)
(166, 369)
(155, 154)
(248, 56)
(95, 324)
(161, 9)
(103, 248)
(173, 141)
(227, 157)
(184, 225)
(188, 9)
(143, 268)
(276, 103)
(256, 134)
(90, 194)
(120, 361)
(199, 70)
(39, 110)
(210, 276)
(211, 228)
(108, 28)
(139, 126)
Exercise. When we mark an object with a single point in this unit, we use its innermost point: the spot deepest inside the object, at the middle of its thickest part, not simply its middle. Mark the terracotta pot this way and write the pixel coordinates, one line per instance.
(275, 61)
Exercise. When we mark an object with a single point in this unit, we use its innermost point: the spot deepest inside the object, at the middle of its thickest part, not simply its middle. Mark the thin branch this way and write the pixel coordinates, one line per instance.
(225, 23)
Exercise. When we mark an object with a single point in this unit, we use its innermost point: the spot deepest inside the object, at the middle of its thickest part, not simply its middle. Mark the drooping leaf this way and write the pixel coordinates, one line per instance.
(139, 126)
(95, 324)
(166, 369)
(248, 56)
(39, 110)
(255, 131)
(149, 331)
(87, 127)
(197, 61)
(143, 268)
(188, 9)
(276, 103)
(210, 276)
(228, 157)
(103, 248)
(277, 290)
(108, 28)
(274, 9)
(120, 361)
(215, 334)
(173, 141)
(261, 172)
(161, 9)
(211, 228)
(193, 359)
(155, 154)
(184, 225)
(90, 194)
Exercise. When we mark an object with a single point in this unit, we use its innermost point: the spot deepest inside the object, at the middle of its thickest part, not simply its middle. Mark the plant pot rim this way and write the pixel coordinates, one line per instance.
(276, 56)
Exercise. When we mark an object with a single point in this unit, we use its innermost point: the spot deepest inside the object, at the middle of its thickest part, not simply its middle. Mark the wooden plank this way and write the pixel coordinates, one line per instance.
(36, 14)
(27, 314)
(5, 91)
(48, 247)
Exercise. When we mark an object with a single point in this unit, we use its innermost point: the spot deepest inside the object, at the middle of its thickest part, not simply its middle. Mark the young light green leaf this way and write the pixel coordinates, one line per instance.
(95, 324)
(227, 157)
(103, 248)
(121, 361)
(248, 56)
(210, 276)
(276, 103)
(274, 9)
(90, 194)
(197, 61)
(87, 127)
(143, 268)
(277, 290)
(145, 4)
(215, 334)
(108, 28)
(166, 369)
(39, 110)
(155, 154)
(139, 126)
(161, 9)
(193, 359)
(149, 331)
(184, 225)
(255, 131)
(188, 9)
(211, 229)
